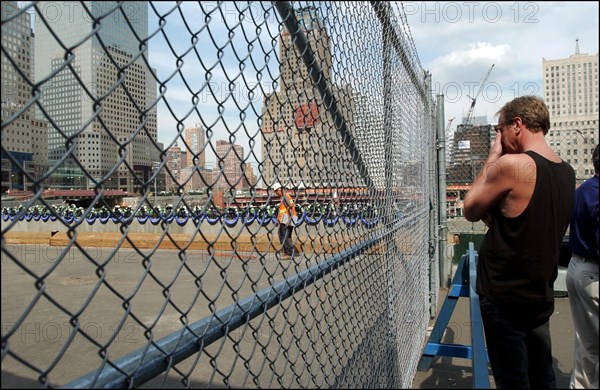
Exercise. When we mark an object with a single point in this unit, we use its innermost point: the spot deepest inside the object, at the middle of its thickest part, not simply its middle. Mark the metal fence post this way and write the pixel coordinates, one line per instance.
(433, 204)
(443, 228)
(389, 207)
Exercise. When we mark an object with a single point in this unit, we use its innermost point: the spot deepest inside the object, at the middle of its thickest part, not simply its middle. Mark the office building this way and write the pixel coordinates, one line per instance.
(301, 145)
(229, 167)
(250, 176)
(194, 166)
(176, 162)
(23, 137)
(470, 150)
(195, 144)
(571, 93)
(99, 103)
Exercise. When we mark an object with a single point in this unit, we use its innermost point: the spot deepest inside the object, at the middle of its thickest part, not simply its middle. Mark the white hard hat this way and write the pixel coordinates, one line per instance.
(276, 186)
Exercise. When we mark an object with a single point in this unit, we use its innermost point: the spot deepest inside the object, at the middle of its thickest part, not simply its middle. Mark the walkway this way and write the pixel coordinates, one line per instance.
(456, 373)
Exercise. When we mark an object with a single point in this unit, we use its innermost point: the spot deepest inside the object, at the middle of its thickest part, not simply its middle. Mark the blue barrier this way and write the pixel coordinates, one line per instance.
(230, 219)
(463, 285)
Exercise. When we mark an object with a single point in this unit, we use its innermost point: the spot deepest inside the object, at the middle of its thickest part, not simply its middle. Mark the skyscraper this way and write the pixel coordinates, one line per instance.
(175, 164)
(571, 93)
(250, 176)
(195, 146)
(23, 136)
(300, 144)
(101, 89)
(228, 170)
(470, 149)
(194, 173)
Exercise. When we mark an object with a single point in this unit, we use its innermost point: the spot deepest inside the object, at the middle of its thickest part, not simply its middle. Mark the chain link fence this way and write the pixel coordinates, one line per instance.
(139, 145)
(572, 140)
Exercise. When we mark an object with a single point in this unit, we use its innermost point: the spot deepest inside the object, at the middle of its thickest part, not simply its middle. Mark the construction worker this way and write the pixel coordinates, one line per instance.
(285, 220)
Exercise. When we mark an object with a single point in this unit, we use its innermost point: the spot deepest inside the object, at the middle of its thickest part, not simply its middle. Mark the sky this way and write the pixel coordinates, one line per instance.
(228, 57)
(458, 42)
(223, 76)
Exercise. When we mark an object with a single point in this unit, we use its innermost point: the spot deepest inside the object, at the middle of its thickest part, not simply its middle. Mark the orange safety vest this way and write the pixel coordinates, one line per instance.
(284, 209)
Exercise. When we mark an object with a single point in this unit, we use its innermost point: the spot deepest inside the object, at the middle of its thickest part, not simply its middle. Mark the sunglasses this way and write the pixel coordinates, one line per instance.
(500, 125)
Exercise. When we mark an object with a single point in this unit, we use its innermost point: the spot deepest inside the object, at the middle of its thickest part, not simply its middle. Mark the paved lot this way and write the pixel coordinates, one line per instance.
(456, 373)
(158, 289)
(153, 296)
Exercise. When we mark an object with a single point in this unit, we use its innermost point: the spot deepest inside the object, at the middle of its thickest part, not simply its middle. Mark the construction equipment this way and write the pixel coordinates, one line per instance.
(448, 127)
(467, 120)
(449, 139)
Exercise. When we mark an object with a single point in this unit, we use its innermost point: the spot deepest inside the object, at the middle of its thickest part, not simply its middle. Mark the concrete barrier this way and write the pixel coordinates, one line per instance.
(259, 243)
(27, 238)
(312, 238)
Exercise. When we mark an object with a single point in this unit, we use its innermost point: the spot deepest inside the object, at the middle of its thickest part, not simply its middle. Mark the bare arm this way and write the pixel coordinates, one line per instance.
(495, 180)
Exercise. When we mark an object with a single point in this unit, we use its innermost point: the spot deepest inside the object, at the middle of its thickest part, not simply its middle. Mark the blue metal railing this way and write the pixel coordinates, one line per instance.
(463, 285)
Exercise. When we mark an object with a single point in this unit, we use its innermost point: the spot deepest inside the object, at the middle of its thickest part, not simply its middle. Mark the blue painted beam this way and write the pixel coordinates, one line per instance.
(459, 291)
(452, 350)
(481, 378)
(463, 285)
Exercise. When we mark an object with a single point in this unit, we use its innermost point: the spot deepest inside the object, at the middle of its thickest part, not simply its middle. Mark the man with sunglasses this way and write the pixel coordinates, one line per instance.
(524, 193)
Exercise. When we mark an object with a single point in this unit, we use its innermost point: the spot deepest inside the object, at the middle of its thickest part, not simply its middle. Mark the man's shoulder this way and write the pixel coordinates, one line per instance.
(589, 184)
(510, 159)
(287, 199)
(515, 166)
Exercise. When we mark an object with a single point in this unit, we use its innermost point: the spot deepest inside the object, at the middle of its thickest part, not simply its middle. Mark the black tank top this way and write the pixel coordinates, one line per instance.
(518, 257)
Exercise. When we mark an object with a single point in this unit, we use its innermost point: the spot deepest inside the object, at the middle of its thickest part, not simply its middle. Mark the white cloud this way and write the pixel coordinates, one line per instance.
(458, 41)
(476, 52)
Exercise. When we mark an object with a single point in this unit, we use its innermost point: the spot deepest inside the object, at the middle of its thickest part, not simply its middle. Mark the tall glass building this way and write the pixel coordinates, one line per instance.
(91, 65)
(24, 140)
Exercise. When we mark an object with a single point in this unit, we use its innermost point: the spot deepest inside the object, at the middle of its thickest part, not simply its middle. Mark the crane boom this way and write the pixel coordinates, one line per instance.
(469, 117)
(448, 126)
(448, 140)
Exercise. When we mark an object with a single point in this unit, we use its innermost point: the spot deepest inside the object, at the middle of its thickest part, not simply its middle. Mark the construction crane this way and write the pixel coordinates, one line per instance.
(467, 120)
(448, 140)
(448, 127)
